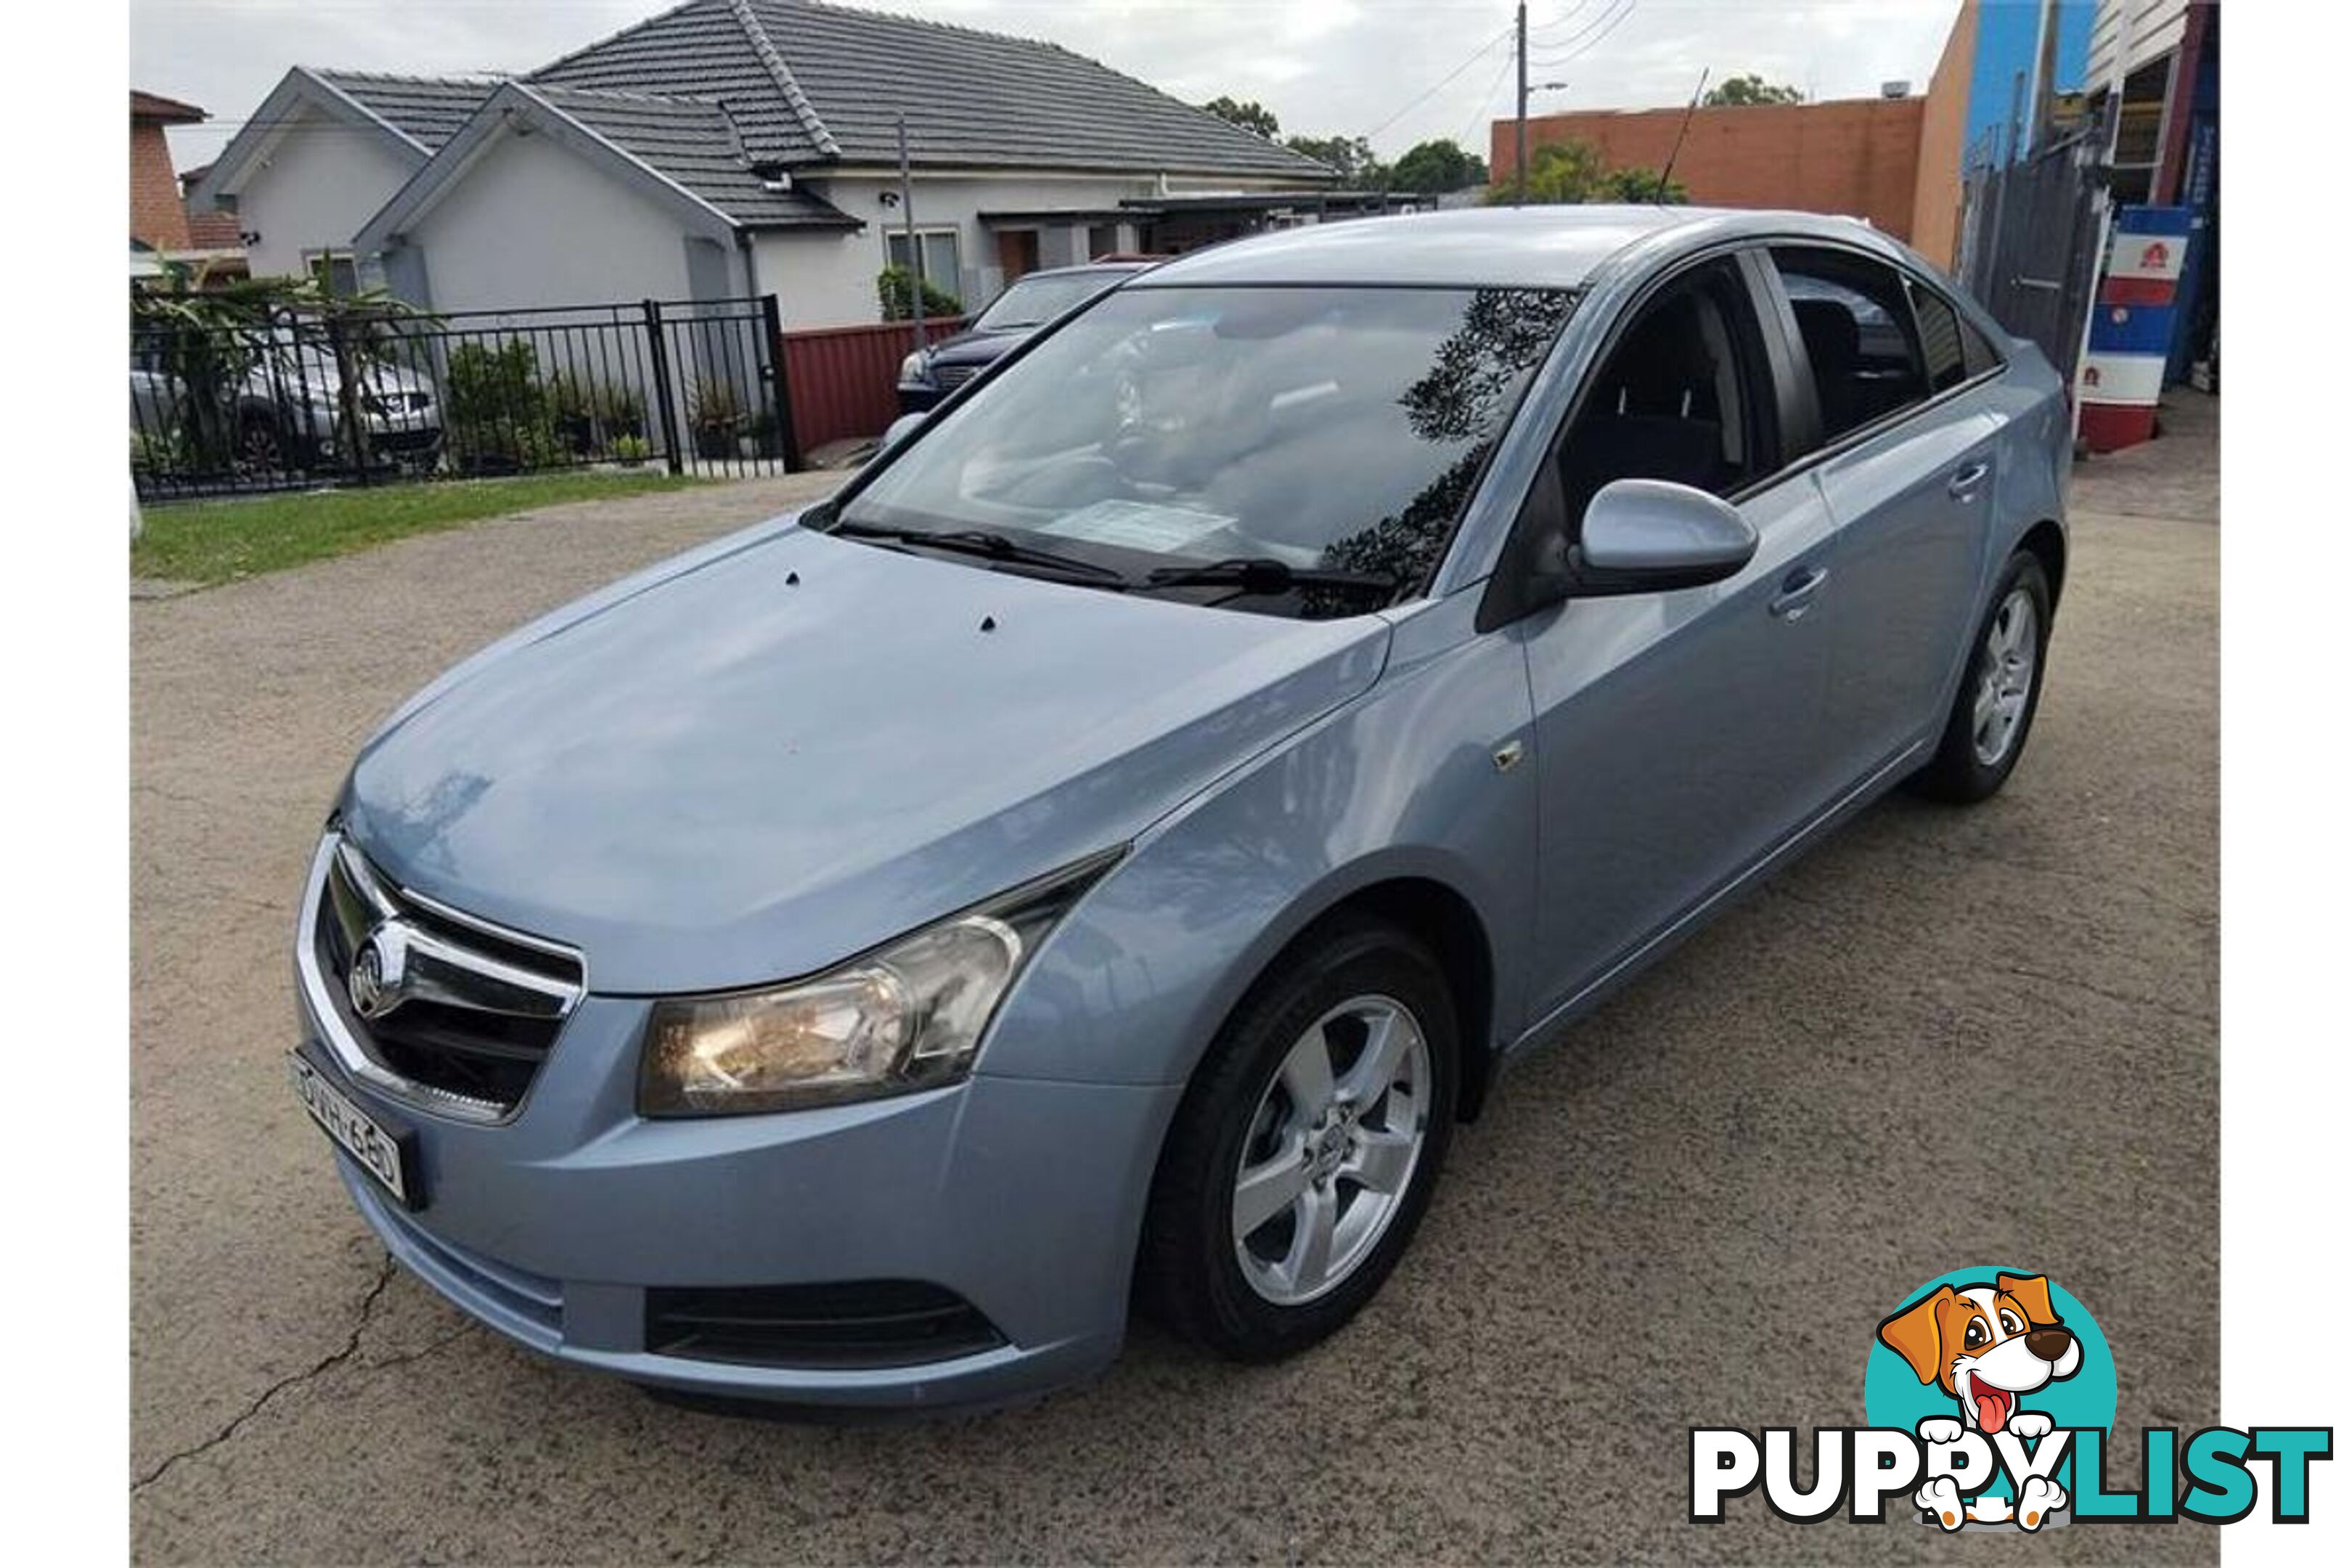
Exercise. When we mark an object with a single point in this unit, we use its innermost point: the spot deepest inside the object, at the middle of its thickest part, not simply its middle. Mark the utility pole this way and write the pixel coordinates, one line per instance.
(914, 246)
(1520, 154)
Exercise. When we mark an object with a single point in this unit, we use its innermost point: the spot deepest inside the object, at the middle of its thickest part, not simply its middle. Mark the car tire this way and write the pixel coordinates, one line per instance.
(261, 445)
(1992, 712)
(1259, 1297)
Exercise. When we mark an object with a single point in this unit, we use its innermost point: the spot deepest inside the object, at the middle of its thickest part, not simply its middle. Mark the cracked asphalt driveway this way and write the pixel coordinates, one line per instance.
(1944, 1039)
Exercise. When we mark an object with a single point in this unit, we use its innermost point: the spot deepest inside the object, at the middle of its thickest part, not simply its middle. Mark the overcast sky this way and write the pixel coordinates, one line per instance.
(1397, 71)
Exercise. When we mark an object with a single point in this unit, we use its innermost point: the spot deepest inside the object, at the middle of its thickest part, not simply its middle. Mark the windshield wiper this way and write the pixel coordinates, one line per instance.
(1265, 574)
(995, 546)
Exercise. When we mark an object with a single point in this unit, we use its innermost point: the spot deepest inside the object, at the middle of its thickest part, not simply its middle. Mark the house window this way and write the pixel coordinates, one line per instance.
(942, 256)
(336, 271)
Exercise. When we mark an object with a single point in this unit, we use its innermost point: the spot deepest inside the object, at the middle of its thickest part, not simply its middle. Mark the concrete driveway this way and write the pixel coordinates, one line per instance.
(1945, 1039)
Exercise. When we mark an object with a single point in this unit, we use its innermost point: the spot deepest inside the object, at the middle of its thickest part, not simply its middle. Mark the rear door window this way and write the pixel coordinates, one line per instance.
(1853, 316)
(1941, 346)
(1982, 355)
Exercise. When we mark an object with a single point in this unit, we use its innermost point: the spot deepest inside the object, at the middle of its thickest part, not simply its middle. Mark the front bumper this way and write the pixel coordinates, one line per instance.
(919, 399)
(1024, 1197)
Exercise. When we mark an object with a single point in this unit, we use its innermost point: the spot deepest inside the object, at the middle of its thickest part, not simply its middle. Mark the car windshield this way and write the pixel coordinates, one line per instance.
(1328, 428)
(1034, 301)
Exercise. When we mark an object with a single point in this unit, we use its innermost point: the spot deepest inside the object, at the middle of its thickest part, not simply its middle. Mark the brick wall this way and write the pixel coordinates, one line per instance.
(157, 217)
(1856, 157)
(1943, 125)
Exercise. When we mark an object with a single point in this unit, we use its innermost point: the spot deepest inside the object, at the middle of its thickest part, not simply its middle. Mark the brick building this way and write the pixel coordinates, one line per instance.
(159, 219)
(1857, 157)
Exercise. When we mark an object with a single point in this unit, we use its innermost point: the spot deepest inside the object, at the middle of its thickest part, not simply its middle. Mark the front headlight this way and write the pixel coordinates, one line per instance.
(907, 1016)
(914, 370)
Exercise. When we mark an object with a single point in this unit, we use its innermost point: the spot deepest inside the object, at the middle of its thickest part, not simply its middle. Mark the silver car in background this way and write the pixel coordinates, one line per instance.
(1103, 852)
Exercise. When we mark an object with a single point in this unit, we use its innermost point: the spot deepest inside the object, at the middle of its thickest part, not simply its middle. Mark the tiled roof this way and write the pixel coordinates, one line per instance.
(427, 110)
(213, 231)
(809, 82)
(692, 143)
(170, 110)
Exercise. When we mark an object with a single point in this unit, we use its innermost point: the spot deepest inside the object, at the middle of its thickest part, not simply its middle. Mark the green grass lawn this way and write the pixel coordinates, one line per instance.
(215, 540)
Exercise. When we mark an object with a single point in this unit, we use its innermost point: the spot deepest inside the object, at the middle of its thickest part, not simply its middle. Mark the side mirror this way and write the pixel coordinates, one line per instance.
(1650, 536)
(900, 428)
(1639, 536)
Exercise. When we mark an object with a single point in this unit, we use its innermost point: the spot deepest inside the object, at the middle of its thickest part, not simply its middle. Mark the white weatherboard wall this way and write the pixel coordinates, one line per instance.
(826, 279)
(2127, 34)
(532, 223)
(316, 185)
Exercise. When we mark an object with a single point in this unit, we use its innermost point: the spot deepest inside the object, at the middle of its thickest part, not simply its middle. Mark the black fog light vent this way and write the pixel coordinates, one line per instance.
(864, 1324)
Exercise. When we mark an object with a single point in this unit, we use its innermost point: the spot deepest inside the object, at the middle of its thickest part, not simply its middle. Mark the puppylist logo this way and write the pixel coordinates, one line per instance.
(1989, 1396)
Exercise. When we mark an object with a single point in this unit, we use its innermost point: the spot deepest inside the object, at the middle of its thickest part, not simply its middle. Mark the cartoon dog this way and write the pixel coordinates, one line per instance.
(1986, 1345)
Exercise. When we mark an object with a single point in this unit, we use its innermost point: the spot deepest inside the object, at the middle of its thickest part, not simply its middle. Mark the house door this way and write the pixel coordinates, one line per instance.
(1016, 253)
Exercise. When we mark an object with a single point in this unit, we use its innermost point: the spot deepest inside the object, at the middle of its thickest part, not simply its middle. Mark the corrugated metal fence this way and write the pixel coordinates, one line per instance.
(2029, 241)
(843, 381)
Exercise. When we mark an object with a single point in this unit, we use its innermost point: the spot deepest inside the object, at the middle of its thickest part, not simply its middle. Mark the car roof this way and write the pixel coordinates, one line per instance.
(1082, 268)
(1532, 248)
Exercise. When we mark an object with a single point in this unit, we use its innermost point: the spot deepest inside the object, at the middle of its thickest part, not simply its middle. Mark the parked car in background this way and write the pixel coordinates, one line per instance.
(282, 412)
(1101, 852)
(928, 374)
(287, 408)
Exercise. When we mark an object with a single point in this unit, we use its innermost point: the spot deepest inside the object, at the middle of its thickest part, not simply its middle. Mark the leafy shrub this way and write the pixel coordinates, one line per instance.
(620, 412)
(894, 286)
(632, 450)
(572, 407)
(155, 451)
(715, 413)
(500, 418)
(591, 415)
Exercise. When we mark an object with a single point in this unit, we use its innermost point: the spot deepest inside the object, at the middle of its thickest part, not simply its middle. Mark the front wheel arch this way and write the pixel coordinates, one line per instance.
(1440, 917)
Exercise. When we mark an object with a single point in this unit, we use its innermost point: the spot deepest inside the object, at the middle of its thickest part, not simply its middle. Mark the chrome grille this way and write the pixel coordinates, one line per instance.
(948, 377)
(451, 1013)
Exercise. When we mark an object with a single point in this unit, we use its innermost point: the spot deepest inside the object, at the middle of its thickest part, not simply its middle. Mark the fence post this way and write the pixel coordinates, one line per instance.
(780, 377)
(347, 416)
(658, 342)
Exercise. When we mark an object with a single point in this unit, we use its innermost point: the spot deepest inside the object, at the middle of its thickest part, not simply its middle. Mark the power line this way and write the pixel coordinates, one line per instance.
(1559, 21)
(1418, 99)
(1591, 43)
(1484, 99)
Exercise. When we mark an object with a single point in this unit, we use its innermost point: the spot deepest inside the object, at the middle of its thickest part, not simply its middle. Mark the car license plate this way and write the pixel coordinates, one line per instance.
(388, 1153)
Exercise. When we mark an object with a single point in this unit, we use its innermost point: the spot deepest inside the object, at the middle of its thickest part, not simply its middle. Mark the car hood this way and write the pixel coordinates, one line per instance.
(978, 348)
(320, 375)
(722, 776)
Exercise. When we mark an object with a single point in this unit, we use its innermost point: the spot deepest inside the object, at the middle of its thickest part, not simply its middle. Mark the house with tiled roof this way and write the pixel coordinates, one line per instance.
(729, 148)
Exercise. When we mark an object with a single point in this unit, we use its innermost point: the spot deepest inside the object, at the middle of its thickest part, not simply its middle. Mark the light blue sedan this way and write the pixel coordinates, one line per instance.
(1106, 850)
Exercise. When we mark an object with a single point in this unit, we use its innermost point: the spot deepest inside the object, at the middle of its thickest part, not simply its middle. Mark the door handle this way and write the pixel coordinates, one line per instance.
(1797, 591)
(1965, 482)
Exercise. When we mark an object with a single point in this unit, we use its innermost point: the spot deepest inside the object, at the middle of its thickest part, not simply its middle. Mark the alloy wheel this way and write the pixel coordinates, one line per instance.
(1331, 1149)
(2005, 681)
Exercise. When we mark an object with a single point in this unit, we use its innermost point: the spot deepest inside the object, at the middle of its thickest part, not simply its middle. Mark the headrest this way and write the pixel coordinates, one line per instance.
(1832, 335)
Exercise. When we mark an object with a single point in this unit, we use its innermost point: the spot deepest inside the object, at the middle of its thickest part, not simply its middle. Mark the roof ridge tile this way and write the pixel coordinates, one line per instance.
(773, 59)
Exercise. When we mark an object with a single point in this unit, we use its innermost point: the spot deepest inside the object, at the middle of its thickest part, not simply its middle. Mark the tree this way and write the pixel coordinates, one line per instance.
(1252, 116)
(1639, 185)
(1435, 167)
(1558, 173)
(1567, 173)
(1750, 88)
(1359, 168)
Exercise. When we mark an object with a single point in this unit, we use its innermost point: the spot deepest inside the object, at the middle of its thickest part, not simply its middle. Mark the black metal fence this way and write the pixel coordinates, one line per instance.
(364, 392)
(2030, 237)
